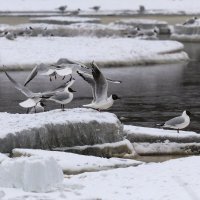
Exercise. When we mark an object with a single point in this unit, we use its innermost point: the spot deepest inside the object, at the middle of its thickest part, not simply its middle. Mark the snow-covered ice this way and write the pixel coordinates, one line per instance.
(74, 164)
(33, 174)
(64, 20)
(152, 135)
(78, 126)
(174, 179)
(3, 157)
(107, 51)
(188, 32)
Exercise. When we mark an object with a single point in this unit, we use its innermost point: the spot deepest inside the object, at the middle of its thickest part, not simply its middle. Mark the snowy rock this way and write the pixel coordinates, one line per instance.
(105, 51)
(74, 164)
(118, 149)
(56, 128)
(32, 174)
(64, 20)
(155, 135)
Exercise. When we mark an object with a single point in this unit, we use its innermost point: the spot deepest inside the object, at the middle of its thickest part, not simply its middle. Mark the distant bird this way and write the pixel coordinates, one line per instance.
(148, 32)
(96, 8)
(62, 8)
(65, 95)
(10, 36)
(99, 86)
(178, 123)
(75, 12)
(190, 21)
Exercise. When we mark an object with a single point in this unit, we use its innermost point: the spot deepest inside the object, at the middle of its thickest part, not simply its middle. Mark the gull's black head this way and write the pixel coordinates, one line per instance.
(188, 112)
(42, 104)
(70, 90)
(115, 97)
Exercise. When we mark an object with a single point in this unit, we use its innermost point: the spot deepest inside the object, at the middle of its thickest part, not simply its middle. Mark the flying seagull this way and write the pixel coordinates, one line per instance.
(96, 8)
(179, 122)
(99, 86)
(62, 67)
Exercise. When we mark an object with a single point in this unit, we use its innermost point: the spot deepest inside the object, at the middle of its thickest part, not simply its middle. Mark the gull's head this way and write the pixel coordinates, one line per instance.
(115, 97)
(42, 104)
(186, 112)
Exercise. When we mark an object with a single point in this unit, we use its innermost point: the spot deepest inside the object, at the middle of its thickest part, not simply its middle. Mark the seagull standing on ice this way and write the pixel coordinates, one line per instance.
(99, 86)
(190, 21)
(96, 8)
(178, 123)
(64, 96)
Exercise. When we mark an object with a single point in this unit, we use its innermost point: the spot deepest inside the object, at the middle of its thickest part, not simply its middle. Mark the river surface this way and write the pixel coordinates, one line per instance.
(149, 94)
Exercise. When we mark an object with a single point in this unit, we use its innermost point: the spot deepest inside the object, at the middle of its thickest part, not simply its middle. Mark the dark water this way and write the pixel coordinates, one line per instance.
(150, 94)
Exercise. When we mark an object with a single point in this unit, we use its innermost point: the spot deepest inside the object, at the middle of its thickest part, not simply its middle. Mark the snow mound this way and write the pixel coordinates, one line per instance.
(32, 174)
(74, 164)
(3, 157)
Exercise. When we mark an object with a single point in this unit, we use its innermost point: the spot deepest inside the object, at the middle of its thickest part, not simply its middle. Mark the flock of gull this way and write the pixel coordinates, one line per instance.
(63, 95)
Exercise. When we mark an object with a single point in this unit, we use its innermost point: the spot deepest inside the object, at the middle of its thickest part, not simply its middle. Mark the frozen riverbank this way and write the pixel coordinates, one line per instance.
(26, 52)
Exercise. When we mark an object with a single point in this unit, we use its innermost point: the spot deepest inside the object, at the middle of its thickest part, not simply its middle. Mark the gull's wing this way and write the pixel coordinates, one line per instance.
(34, 72)
(64, 72)
(68, 61)
(20, 87)
(48, 72)
(101, 85)
(175, 121)
(88, 78)
(60, 96)
(113, 81)
(29, 103)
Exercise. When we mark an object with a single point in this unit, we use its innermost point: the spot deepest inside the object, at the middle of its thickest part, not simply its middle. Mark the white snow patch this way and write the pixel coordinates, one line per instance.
(73, 163)
(13, 123)
(32, 50)
(3, 157)
(33, 174)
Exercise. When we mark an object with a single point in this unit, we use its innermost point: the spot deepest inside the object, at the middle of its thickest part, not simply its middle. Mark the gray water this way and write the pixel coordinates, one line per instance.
(149, 94)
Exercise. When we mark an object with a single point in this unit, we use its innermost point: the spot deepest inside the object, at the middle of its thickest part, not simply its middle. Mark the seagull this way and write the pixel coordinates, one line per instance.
(190, 21)
(62, 67)
(75, 12)
(33, 98)
(37, 109)
(96, 8)
(62, 8)
(179, 122)
(99, 86)
(64, 96)
(10, 36)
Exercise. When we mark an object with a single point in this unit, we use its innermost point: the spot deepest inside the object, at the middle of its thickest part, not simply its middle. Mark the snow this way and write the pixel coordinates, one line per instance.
(129, 129)
(107, 51)
(3, 157)
(171, 6)
(67, 20)
(14, 123)
(74, 164)
(31, 174)
(174, 179)
(166, 148)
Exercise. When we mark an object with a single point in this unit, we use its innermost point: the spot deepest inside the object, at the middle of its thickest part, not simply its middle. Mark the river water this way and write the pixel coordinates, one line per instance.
(149, 94)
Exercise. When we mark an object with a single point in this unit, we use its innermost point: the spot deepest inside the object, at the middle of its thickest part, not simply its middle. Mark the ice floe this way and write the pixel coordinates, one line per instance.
(74, 164)
(105, 51)
(58, 128)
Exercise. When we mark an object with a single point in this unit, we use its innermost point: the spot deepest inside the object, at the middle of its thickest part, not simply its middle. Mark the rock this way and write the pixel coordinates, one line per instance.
(73, 127)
